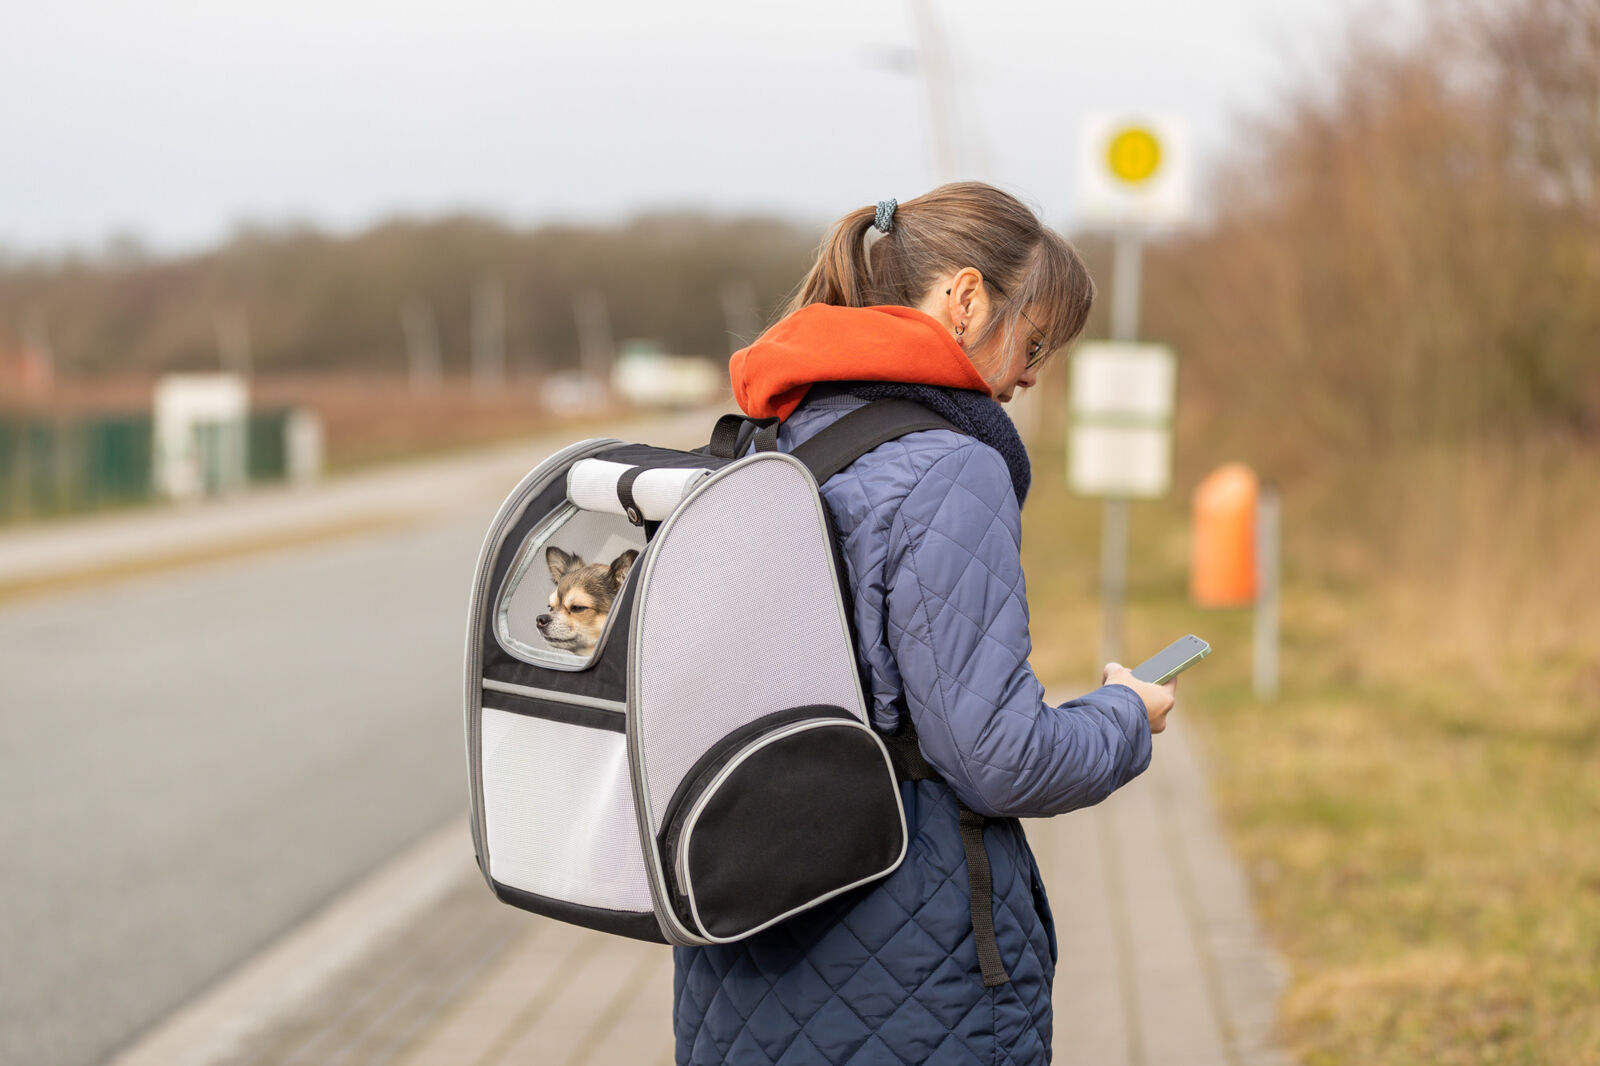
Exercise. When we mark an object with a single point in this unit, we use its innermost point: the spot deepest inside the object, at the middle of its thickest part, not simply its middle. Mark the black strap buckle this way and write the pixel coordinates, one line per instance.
(733, 434)
(630, 506)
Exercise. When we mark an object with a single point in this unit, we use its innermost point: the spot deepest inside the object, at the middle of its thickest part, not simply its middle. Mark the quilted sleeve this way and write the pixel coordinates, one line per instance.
(958, 626)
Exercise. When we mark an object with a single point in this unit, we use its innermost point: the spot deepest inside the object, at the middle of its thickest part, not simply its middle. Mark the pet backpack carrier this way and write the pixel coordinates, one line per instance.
(699, 765)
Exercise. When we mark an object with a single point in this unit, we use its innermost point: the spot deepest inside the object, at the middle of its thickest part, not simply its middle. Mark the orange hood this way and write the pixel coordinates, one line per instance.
(822, 342)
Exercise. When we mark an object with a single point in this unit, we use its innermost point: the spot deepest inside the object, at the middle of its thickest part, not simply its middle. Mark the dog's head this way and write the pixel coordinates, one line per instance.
(581, 599)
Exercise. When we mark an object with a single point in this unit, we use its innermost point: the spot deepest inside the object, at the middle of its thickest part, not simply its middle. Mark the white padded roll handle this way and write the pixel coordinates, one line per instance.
(592, 485)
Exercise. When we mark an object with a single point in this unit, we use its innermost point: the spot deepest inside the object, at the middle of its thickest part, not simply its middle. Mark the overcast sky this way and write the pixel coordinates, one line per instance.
(175, 121)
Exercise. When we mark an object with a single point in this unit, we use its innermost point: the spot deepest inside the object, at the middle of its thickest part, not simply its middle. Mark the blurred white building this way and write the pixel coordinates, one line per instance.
(201, 434)
(646, 376)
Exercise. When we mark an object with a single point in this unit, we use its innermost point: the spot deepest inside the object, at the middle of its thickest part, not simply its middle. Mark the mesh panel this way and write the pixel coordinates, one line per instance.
(740, 619)
(596, 538)
(559, 811)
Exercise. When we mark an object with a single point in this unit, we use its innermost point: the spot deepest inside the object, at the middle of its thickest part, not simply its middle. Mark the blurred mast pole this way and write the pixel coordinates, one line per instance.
(936, 78)
(739, 311)
(39, 372)
(488, 337)
(233, 341)
(425, 356)
(594, 333)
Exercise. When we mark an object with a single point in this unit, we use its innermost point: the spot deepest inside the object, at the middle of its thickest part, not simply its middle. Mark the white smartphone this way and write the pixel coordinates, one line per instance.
(1172, 660)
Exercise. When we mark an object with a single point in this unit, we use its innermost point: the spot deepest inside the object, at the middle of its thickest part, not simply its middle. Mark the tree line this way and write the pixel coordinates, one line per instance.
(1409, 253)
(313, 302)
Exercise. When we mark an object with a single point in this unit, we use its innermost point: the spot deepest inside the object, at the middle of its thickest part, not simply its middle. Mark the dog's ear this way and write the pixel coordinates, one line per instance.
(561, 564)
(620, 567)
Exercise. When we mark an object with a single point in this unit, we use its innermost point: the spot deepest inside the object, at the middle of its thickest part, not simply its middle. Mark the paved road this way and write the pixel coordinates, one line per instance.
(193, 761)
(188, 765)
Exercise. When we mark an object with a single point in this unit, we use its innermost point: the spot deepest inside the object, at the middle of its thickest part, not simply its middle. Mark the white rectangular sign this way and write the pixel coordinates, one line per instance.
(1123, 396)
(1122, 379)
(1120, 461)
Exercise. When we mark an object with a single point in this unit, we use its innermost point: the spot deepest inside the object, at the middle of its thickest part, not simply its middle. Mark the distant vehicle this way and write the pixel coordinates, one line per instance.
(572, 391)
(646, 376)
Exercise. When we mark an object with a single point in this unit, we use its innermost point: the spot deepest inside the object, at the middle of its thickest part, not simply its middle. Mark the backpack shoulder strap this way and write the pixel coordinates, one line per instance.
(825, 454)
(862, 430)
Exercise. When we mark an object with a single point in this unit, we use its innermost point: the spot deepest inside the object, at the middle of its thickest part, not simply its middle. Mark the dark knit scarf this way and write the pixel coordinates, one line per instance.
(971, 412)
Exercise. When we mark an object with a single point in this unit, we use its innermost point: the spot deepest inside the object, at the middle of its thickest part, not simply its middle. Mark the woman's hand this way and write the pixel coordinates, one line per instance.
(1158, 699)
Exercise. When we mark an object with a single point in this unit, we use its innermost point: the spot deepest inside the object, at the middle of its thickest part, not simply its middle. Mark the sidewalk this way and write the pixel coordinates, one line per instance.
(1161, 960)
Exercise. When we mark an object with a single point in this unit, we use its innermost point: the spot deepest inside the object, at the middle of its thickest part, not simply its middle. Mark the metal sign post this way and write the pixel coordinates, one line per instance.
(1126, 265)
(1135, 173)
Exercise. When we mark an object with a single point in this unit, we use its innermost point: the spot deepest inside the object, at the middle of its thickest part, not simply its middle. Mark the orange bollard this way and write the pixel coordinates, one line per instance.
(1222, 559)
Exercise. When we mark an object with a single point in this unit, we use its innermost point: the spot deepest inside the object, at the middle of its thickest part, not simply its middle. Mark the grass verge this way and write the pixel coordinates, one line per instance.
(1417, 809)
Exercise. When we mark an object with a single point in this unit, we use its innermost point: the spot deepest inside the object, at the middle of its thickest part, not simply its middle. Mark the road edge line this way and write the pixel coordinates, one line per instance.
(304, 960)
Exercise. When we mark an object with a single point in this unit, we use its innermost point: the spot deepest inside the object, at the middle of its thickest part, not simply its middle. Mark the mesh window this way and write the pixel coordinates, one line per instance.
(582, 545)
(740, 618)
(558, 806)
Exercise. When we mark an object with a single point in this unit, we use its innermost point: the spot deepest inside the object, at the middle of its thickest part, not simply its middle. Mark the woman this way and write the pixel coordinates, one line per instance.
(955, 302)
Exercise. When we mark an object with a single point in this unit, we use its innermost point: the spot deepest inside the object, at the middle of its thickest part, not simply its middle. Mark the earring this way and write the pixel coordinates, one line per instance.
(961, 329)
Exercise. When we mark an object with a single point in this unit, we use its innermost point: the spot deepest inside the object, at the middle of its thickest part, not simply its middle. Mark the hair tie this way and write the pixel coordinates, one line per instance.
(884, 219)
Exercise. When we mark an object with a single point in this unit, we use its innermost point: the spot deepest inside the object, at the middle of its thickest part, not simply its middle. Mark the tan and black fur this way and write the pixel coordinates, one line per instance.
(582, 598)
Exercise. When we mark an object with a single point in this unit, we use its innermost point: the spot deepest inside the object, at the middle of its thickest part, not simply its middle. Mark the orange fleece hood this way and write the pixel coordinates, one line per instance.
(822, 342)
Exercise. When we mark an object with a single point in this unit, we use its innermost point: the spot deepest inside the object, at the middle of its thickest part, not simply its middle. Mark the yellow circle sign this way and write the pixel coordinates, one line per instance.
(1134, 155)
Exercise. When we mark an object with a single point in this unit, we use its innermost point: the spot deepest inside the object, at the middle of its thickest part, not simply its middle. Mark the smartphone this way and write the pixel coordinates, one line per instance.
(1172, 660)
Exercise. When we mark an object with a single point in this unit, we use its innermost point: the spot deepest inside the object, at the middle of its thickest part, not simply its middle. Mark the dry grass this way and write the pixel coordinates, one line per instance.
(1417, 810)
(370, 419)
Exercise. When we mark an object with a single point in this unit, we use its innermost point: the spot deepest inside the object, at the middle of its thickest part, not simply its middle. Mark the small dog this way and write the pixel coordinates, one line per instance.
(581, 600)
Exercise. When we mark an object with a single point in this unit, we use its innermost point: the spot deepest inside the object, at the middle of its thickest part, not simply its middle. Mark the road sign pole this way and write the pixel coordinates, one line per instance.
(1114, 527)
(1113, 578)
(1127, 266)
(1134, 173)
(1268, 570)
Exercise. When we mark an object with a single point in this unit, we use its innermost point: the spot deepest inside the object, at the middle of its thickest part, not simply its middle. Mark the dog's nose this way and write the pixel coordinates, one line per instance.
(542, 621)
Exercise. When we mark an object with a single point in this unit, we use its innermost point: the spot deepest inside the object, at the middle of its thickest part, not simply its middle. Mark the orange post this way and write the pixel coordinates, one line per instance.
(1222, 559)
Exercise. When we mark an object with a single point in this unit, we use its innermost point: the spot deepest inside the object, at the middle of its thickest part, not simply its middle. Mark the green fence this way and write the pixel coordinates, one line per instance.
(267, 445)
(55, 466)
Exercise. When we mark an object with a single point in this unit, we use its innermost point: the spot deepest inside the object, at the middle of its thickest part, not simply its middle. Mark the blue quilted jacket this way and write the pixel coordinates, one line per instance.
(889, 974)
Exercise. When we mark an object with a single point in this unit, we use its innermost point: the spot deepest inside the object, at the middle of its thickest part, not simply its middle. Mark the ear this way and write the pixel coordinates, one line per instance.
(620, 567)
(560, 562)
(964, 288)
(958, 299)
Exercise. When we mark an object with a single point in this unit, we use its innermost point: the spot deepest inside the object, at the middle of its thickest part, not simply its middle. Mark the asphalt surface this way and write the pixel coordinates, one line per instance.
(195, 760)
(191, 763)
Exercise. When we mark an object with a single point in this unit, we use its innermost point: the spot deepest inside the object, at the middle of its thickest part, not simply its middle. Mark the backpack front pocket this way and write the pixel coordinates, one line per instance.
(558, 805)
(784, 813)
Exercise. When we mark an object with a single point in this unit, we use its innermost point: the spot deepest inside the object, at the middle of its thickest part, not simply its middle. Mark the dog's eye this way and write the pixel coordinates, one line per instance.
(575, 609)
